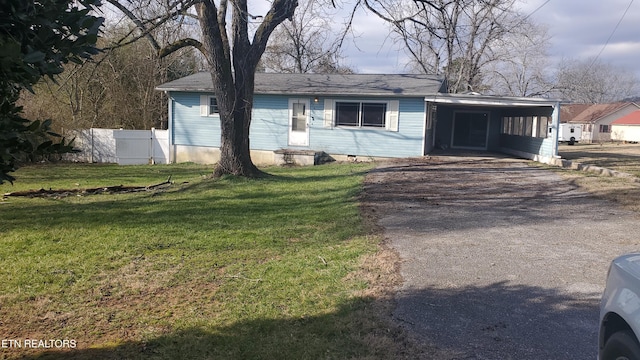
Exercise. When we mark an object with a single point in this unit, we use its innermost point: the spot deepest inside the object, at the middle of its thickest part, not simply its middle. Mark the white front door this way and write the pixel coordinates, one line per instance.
(299, 122)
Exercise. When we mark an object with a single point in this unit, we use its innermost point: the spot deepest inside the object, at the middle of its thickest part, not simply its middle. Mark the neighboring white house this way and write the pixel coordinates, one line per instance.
(596, 119)
(627, 128)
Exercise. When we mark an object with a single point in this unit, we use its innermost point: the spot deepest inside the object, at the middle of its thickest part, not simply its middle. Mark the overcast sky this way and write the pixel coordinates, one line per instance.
(578, 29)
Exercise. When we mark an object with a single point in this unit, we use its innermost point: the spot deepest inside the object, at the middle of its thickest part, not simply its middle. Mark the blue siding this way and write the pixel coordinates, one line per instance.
(405, 142)
(270, 122)
(269, 129)
(188, 127)
(529, 145)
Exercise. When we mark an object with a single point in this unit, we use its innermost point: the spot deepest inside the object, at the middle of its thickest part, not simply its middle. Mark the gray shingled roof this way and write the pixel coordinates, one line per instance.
(323, 84)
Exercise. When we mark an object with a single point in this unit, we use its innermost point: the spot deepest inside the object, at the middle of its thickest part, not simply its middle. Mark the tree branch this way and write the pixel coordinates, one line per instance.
(147, 26)
(177, 45)
(139, 24)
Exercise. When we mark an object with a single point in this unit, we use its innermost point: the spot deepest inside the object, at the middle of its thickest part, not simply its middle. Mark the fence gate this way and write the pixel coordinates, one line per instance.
(134, 147)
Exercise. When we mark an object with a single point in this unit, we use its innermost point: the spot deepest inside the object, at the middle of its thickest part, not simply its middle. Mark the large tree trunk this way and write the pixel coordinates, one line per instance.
(235, 156)
(233, 84)
(232, 61)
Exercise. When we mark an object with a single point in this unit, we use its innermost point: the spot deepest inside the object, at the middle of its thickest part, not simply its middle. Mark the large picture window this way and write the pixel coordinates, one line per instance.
(361, 114)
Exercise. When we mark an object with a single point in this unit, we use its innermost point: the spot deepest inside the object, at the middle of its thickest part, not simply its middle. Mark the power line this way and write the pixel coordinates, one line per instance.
(536, 10)
(528, 16)
(612, 33)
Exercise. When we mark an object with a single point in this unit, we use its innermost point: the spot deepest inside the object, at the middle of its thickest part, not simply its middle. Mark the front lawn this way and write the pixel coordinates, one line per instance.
(216, 269)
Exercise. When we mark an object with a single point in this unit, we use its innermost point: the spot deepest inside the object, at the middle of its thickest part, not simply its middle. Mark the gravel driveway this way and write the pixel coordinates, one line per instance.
(499, 259)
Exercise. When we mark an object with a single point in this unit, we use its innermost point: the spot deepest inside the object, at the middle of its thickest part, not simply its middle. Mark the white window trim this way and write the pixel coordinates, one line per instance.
(390, 121)
(205, 101)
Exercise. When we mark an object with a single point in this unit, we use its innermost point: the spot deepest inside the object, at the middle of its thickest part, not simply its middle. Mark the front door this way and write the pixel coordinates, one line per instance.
(470, 130)
(299, 122)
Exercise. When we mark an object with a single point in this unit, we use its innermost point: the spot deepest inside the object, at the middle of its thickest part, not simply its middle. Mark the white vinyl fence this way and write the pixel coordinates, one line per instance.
(125, 147)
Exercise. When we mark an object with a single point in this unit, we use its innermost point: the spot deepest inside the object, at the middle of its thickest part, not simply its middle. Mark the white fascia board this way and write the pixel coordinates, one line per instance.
(480, 100)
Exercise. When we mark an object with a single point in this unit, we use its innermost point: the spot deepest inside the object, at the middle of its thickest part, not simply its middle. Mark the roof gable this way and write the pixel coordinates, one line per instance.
(631, 119)
(593, 113)
(323, 84)
(568, 112)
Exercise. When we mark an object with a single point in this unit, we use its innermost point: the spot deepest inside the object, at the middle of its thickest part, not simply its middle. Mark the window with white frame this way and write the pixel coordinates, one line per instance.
(361, 114)
(208, 106)
(605, 128)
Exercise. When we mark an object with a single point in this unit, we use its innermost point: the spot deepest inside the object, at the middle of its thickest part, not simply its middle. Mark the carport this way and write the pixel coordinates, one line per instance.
(523, 127)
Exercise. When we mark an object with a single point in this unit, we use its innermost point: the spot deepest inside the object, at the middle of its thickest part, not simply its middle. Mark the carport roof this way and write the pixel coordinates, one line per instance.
(488, 100)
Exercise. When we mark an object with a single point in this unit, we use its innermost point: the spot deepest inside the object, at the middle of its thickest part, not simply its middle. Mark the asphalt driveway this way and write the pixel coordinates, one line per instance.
(499, 259)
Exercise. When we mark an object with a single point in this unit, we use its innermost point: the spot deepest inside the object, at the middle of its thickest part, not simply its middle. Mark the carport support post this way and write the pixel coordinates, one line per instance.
(555, 126)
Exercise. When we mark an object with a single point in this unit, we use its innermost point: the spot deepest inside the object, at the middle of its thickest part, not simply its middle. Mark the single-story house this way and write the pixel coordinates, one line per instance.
(596, 119)
(627, 128)
(360, 115)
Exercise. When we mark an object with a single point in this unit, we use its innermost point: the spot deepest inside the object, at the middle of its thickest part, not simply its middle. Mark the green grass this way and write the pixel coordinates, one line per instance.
(227, 268)
(75, 176)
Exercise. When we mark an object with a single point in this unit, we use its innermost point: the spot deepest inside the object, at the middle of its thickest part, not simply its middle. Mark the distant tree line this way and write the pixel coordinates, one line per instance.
(116, 89)
(482, 46)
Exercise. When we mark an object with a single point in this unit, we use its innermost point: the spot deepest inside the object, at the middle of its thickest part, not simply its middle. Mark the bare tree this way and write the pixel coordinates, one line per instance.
(592, 81)
(522, 69)
(306, 43)
(100, 93)
(232, 52)
(456, 37)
